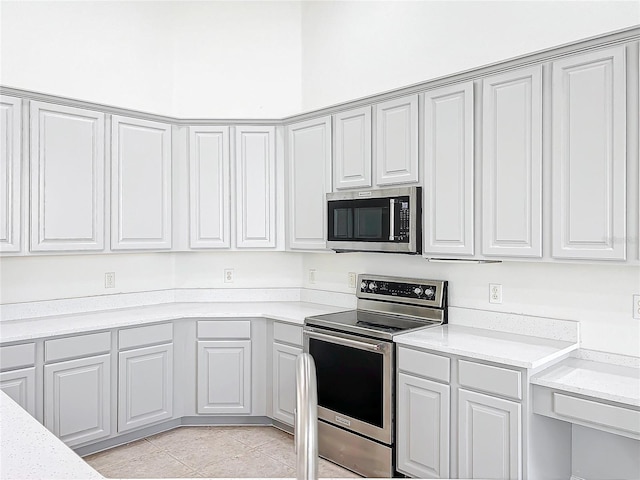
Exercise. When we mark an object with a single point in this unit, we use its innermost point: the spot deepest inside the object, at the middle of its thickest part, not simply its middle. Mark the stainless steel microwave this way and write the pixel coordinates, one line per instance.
(387, 220)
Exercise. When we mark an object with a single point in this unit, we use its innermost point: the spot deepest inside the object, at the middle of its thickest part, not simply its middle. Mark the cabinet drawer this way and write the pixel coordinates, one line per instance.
(286, 333)
(596, 413)
(488, 378)
(424, 364)
(142, 336)
(80, 346)
(17, 356)
(224, 329)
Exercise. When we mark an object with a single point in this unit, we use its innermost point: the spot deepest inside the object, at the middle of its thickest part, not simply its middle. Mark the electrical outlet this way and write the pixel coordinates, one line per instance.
(636, 307)
(495, 293)
(352, 279)
(228, 275)
(312, 275)
(110, 280)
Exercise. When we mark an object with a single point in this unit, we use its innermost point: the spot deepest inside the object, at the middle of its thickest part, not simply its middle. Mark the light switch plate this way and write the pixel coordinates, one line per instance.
(636, 307)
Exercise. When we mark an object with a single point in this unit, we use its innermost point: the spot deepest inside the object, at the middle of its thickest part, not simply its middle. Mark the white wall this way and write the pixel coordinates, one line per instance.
(190, 59)
(599, 296)
(106, 52)
(236, 59)
(28, 279)
(352, 49)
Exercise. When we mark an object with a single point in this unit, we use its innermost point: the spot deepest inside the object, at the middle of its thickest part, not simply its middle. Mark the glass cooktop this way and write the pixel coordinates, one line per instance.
(370, 324)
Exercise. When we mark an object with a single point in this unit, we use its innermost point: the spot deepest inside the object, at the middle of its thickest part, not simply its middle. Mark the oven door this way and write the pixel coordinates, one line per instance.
(355, 381)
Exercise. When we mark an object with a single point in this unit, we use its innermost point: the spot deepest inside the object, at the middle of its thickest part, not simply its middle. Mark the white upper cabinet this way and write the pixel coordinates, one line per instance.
(397, 141)
(589, 155)
(352, 149)
(448, 174)
(10, 161)
(67, 178)
(209, 211)
(255, 187)
(309, 162)
(140, 184)
(512, 163)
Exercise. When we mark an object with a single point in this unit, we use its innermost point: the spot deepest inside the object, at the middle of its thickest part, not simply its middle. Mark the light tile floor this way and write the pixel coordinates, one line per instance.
(209, 452)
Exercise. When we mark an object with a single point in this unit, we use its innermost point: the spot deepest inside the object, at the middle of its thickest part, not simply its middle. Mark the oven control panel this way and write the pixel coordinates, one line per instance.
(421, 291)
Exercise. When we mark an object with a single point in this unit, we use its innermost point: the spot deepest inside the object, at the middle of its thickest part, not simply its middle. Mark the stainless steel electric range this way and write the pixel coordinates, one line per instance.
(354, 356)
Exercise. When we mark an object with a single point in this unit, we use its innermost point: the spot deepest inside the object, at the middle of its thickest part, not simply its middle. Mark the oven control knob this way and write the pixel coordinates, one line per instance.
(363, 286)
(429, 292)
(417, 291)
(372, 286)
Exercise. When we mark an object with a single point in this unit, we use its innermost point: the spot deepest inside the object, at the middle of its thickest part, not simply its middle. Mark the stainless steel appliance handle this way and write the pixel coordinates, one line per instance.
(392, 214)
(371, 347)
(306, 424)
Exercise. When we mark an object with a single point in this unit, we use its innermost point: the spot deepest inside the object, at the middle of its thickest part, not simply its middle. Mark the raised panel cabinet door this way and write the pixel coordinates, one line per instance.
(512, 163)
(209, 214)
(423, 427)
(309, 162)
(224, 376)
(255, 187)
(20, 385)
(284, 382)
(489, 437)
(352, 155)
(589, 156)
(140, 184)
(397, 141)
(10, 173)
(145, 386)
(448, 174)
(67, 178)
(77, 399)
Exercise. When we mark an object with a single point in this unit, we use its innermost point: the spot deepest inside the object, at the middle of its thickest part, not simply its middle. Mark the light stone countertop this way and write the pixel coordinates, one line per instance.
(29, 329)
(506, 348)
(606, 381)
(28, 450)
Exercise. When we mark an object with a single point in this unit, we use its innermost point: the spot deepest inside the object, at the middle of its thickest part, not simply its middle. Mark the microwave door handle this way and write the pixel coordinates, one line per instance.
(392, 214)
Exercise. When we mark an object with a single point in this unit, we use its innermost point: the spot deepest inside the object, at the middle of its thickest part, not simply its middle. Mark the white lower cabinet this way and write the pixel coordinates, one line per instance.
(20, 385)
(423, 427)
(77, 399)
(145, 386)
(489, 437)
(224, 376)
(284, 382)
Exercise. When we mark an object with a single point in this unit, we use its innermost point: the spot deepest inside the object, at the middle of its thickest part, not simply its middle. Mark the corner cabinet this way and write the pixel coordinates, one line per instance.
(512, 164)
(352, 149)
(224, 367)
(589, 156)
(448, 176)
(309, 171)
(67, 178)
(255, 155)
(209, 187)
(10, 173)
(140, 184)
(397, 141)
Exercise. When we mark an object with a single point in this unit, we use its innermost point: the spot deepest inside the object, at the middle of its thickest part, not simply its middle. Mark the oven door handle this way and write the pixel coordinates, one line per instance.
(372, 347)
